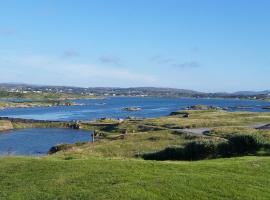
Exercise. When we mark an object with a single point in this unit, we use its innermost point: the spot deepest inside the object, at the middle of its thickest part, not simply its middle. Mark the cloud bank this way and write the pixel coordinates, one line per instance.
(49, 70)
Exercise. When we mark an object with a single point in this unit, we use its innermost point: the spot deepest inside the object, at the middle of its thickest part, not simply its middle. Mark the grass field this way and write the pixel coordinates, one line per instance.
(210, 118)
(112, 167)
(32, 99)
(41, 95)
(131, 146)
(33, 103)
(244, 178)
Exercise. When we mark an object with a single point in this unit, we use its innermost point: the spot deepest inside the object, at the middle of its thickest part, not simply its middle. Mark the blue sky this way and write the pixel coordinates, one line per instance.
(205, 45)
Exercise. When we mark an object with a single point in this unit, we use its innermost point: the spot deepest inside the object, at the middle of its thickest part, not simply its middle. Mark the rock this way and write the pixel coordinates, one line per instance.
(132, 109)
(203, 107)
(181, 113)
(68, 104)
(75, 126)
(186, 115)
(54, 149)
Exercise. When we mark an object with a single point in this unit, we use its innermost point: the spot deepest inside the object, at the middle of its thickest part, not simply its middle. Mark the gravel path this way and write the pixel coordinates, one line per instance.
(202, 131)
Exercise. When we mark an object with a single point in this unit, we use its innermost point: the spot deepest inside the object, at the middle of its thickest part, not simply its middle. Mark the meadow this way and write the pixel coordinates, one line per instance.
(113, 166)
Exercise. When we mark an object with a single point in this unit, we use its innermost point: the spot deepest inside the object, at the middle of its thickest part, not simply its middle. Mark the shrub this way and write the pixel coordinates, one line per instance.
(169, 153)
(244, 144)
(266, 146)
(197, 150)
(224, 150)
(203, 149)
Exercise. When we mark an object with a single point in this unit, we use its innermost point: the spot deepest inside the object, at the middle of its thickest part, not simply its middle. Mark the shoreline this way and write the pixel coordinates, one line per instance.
(32, 103)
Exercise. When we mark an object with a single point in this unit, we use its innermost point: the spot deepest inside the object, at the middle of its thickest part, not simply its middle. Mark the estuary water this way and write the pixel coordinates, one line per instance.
(38, 141)
(90, 109)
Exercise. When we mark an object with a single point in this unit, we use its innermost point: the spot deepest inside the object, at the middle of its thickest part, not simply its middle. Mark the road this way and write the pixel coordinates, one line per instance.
(202, 131)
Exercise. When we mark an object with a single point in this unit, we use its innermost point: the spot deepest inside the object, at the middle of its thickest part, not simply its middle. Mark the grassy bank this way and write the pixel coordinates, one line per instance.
(32, 99)
(131, 146)
(41, 95)
(9, 124)
(112, 167)
(96, 178)
(210, 118)
(35, 103)
(5, 125)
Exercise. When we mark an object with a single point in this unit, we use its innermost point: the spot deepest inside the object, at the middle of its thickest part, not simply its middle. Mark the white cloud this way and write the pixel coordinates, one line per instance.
(53, 70)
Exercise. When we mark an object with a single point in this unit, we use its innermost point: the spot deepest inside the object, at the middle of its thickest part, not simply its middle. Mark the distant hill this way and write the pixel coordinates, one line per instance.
(110, 91)
(248, 93)
(134, 91)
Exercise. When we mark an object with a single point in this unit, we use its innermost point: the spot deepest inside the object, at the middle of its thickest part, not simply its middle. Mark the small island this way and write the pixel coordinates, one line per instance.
(132, 109)
(41, 99)
(266, 108)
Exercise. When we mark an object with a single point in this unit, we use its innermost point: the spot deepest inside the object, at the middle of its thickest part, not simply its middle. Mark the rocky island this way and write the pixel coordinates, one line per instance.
(132, 109)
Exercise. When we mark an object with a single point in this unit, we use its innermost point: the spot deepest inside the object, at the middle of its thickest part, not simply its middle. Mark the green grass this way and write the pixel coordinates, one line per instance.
(133, 145)
(111, 169)
(211, 118)
(42, 95)
(35, 103)
(245, 178)
(5, 125)
(38, 99)
(225, 132)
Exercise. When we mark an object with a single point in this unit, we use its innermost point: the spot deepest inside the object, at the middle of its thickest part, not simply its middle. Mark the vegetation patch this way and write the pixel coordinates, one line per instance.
(121, 179)
(5, 125)
(237, 145)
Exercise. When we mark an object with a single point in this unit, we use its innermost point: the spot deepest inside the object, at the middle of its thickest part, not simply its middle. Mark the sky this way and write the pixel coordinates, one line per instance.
(204, 45)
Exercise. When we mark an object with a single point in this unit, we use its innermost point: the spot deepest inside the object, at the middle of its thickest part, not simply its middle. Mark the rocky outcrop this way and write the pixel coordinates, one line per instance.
(181, 113)
(59, 147)
(203, 107)
(31, 123)
(25, 120)
(75, 125)
(132, 108)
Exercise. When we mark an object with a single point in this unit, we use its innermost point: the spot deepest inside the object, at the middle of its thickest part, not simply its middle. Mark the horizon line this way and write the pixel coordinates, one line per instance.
(161, 87)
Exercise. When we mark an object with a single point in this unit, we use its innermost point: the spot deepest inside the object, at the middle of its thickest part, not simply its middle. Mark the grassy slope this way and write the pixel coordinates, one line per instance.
(212, 118)
(229, 131)
(38, 99)
(5, 125)
(95, 178)
(44, 103)
(141, 140)
(132, 145)
(8, 125)
(43, 95)
(106, 170)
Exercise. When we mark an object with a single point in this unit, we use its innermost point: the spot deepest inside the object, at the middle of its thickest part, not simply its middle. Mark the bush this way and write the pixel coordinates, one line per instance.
(224, 150)
(244, 144)
(205, 149)
(197, 150)
(169, 153)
